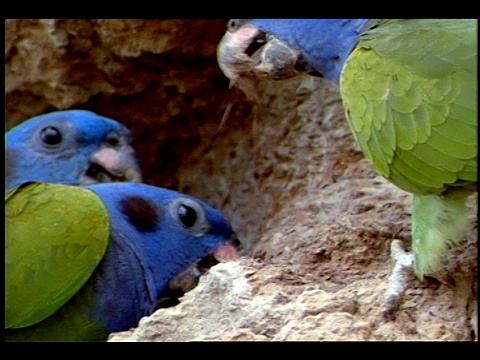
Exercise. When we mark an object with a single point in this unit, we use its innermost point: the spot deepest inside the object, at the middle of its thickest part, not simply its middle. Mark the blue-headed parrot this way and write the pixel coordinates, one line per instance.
(409, 90)
(84, 261)
(75, 147)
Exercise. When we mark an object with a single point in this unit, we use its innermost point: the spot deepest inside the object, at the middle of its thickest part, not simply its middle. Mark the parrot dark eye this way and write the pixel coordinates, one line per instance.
(234, 24)
(187, 215)
(113, 141)
(51, 136)
(191, 215)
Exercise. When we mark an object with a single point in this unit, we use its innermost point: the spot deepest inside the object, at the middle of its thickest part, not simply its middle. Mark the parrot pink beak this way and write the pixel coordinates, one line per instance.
(189, 277)
(231, 52)
(107, 157)
(110, 165)
(226, 252)
(229, 250)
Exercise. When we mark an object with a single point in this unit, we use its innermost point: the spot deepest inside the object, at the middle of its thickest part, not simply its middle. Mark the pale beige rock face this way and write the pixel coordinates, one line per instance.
(315, 220)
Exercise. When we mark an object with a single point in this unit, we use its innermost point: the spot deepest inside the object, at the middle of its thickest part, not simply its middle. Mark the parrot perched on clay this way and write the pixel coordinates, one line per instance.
(84, 261)
(409, 90)
(75, 147)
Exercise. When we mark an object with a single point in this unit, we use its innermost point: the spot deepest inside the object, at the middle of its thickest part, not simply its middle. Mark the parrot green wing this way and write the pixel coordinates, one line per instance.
(55, 237)
(10, 192)
(410, 94)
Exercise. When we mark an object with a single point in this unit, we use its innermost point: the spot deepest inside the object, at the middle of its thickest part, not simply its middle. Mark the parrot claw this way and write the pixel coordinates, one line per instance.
(397, 282)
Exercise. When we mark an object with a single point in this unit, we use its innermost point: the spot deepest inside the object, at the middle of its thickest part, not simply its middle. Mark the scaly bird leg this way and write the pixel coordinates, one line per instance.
(398, 280)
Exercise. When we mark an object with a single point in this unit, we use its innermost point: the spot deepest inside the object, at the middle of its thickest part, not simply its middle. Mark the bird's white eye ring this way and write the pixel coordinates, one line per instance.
(234, 24)
(231, 25)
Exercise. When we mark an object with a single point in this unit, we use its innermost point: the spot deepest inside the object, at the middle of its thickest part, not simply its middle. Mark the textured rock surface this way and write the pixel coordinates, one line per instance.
(315, 219)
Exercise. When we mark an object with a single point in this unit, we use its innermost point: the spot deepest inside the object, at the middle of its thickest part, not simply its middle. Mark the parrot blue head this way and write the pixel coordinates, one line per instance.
(73, 147)
(155, 234)
(323, 45)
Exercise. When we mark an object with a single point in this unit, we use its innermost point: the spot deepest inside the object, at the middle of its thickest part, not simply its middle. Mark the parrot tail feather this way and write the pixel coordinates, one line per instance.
(438, 222)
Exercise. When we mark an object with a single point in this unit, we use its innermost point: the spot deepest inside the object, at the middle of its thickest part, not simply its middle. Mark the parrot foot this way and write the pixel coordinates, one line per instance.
(398, 279)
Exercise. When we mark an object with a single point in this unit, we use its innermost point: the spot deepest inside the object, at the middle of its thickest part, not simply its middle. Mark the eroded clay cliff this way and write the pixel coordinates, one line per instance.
(315, 220)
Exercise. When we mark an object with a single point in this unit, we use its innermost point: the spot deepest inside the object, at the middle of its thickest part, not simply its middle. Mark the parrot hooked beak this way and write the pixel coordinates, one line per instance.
(246, 51)
(110, 165)
(189, 277)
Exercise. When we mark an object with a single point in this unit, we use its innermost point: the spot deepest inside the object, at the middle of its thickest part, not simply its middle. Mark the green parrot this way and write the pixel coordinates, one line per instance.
(409, 90)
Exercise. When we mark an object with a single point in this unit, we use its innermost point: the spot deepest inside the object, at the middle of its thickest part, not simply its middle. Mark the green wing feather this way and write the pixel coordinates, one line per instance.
(55, 237)
(410, 94)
